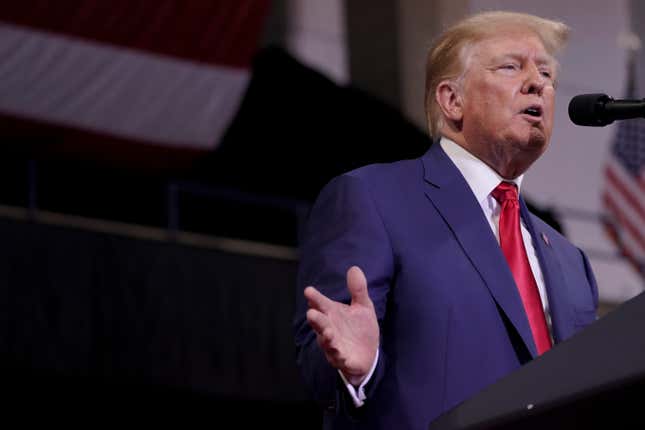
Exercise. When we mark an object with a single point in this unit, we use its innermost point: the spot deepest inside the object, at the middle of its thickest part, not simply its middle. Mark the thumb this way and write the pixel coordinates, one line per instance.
(357, 286)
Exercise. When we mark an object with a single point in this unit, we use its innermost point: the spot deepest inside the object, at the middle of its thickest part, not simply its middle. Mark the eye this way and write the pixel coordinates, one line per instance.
(510, 69)
(510, 66)
(546, 74)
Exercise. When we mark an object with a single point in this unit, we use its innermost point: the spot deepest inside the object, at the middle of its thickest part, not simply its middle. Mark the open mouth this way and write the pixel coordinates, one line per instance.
(534, 111)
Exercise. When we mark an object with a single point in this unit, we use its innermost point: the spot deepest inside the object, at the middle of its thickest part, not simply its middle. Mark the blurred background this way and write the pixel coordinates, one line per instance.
(159, 159)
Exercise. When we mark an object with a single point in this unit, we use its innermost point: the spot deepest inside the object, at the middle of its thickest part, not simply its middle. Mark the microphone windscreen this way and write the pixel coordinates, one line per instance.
(587, 109)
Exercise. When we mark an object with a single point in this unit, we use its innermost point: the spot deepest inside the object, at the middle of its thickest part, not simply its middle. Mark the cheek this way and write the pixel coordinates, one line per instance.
(490, 104)
(549, 101)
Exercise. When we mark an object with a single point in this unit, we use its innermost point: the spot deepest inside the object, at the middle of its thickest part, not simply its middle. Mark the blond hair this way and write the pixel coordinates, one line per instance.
(447, 58)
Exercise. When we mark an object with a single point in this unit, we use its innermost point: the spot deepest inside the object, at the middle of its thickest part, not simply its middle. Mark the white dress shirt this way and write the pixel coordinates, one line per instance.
(482, 180)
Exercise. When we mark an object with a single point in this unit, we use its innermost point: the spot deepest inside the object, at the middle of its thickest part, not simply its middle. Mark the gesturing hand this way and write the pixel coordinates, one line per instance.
(347, 334)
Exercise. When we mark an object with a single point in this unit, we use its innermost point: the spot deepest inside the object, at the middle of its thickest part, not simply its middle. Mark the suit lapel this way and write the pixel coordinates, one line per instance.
(452, 197)
(556, 290)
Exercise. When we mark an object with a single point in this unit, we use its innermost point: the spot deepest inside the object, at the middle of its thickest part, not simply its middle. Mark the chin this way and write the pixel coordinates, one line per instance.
(532, 139)
(537, 139)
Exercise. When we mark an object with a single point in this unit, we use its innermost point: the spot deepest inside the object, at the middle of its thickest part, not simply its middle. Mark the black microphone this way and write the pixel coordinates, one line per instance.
(599, 110)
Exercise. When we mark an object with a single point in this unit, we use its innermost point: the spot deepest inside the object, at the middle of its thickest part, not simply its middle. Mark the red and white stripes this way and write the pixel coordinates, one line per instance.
(166, 73)
(624, 198)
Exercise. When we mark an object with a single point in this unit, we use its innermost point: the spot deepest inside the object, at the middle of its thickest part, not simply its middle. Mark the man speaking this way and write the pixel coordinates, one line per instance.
(423, 281)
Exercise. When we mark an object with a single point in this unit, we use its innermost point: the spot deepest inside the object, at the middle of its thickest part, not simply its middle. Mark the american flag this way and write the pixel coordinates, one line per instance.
(624, 191)
(131, 77)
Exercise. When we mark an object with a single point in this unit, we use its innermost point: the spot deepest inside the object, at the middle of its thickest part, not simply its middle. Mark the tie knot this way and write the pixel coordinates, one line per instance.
(505, 191)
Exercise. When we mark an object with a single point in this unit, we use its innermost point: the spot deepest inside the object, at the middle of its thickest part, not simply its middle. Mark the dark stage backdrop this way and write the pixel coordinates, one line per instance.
(121, 328)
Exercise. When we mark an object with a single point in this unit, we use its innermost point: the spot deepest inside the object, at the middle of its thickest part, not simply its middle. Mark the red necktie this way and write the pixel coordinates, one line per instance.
(510, 239)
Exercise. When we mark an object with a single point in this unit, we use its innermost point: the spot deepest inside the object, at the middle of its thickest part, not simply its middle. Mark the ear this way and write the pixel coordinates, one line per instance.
(449, 99)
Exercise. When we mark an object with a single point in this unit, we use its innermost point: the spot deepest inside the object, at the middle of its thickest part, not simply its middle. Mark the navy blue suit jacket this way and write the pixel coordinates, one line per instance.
(450, 315)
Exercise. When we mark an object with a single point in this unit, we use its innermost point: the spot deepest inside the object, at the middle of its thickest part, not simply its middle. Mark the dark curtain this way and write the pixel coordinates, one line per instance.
(111, 324)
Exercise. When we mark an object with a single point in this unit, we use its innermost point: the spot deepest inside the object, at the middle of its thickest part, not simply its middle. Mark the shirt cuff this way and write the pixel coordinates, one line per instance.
(358, 394)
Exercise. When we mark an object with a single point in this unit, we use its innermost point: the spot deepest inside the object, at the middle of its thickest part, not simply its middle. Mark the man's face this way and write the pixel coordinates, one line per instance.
(508, 98)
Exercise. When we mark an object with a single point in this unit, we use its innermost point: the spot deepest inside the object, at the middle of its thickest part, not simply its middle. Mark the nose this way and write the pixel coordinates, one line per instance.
(534, 82)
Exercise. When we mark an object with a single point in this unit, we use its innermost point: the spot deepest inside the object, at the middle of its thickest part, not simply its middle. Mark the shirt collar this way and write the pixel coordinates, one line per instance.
(481, 178)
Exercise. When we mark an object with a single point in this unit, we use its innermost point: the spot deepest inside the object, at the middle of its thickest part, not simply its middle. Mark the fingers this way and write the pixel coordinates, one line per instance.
(345, 333)
(324, 335)
(317, 320)
(357, 286)
(332, 355)
(317, 300)
(327, 344)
